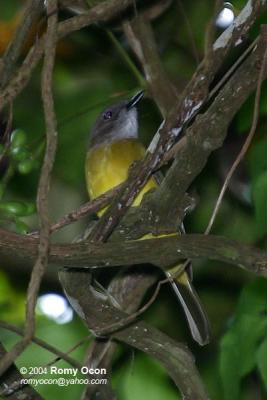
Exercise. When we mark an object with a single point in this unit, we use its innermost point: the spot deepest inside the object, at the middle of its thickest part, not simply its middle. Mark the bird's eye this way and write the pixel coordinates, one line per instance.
(107, 115)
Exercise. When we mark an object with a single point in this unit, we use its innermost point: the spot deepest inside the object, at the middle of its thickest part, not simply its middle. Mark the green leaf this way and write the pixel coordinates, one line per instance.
(144, 379)
(238, 349)
(240, 344)
(18, 138)
(253, 300)
(21, 227)
(30, 208)
(229, 365)
(257, 157)
(2, 189)
(26, 166)
(12, 301)
(16, 208)
(260, 198)
(20, 153)
(261, 357)
(12, 208)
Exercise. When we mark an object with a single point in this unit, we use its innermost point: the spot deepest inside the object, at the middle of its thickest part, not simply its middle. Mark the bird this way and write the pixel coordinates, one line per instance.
(114, 145)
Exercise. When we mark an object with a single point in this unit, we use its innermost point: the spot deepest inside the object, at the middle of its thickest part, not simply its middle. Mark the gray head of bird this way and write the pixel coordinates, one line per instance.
(117, 122)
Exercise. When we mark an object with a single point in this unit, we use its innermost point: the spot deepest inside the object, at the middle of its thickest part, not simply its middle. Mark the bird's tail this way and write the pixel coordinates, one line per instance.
(194, 312)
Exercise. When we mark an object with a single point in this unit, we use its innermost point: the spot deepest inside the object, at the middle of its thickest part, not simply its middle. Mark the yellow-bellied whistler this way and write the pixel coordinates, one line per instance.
(114, 146)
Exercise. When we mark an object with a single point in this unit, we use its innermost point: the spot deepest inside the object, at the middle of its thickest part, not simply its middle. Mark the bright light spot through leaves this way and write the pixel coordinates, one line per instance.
(225, 17)
(55, 307)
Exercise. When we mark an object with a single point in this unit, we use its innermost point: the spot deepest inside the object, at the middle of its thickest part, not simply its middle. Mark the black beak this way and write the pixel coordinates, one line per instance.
(135, 100)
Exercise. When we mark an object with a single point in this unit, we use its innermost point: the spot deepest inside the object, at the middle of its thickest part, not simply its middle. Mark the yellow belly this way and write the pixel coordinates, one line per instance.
(107, 166)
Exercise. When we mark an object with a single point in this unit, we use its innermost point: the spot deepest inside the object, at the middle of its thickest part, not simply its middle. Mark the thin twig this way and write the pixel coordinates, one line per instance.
(76, 346)
(32, 12)
(232, 69)
(113, 327)
(141, 38)
(244, 148)
(60, 354)
(86, 209)
(17, 385)
(96, 362)
(6, 136)
(115, 96)
(51, 146)
(127, 59)
(190, 31)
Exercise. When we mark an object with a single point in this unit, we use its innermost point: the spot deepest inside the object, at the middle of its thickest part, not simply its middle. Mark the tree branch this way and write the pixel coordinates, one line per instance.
(62, 355)
(43, 188)
(209, 130)
(161, 252)
(98, 312)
